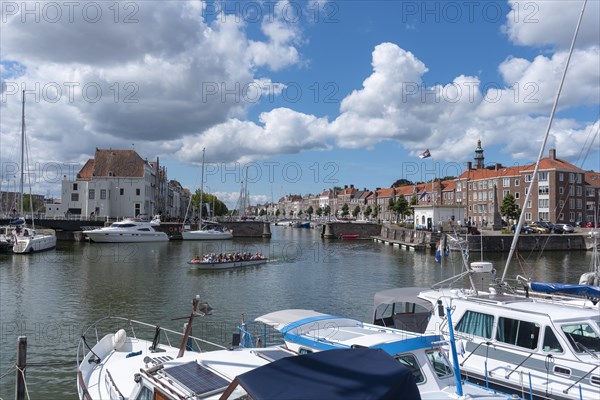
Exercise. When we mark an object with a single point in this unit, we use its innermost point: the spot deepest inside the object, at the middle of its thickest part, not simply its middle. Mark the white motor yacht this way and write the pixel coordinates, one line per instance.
(127, 231)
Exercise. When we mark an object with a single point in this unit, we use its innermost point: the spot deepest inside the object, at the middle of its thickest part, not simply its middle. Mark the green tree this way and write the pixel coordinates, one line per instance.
(356, 211)
(262, 212)
(509, 208)
(327, 210)
(310, 212)
(402, 207)
(368, 211)
(345, 210)
(299, 213)
(319, 212)
(277, 213)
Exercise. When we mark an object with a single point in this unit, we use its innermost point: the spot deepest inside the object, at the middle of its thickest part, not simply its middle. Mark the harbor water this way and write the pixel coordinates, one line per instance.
(50, 297)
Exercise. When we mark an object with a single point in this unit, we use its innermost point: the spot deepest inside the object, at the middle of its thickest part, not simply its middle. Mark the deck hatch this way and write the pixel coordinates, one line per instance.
(272, 355)
(595, 379)
(197, 378)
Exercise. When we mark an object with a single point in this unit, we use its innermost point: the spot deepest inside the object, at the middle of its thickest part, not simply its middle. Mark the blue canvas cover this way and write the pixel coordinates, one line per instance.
(566, 288)
(334, 374)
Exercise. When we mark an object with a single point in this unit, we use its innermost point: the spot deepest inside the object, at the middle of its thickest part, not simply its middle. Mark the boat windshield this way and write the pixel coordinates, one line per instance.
(122, 225)
(582, 337)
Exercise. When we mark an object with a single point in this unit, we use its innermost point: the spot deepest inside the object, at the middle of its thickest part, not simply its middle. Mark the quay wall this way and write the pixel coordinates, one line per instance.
(492, 241)
(333, 230)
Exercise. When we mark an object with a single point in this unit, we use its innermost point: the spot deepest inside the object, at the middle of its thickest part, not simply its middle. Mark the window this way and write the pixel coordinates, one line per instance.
(476, 324)
(579, 178)
(571, 177)
(561, 204)
(579, 204)
(145, 394)
(589, 192)
(582, 337)
(439, 364)
(102, 194)
(506, 182)
(527, 216)
(137, 192)
(571, 203)
(544, 189)
(92, 194)
(578, 190)
(505, 193)
(528, 178)
(410, 362)
(517, 195)
(75, 186)
(561, 177)
(542, 176)
(518, 333)
(544, 216)
(458, 186)
(543, 203)
(74, 196)
(517, 182)
(571, 191)
(561, 190)
(572, 216)
(529, 204)
(551, 344)
(121, 191)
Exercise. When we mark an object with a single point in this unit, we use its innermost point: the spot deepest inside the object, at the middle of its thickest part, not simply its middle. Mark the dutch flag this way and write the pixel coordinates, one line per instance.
(425, 154)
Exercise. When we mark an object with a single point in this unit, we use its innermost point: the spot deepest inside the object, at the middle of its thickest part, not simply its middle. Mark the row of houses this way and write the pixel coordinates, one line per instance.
(119, 183)
(563, 193)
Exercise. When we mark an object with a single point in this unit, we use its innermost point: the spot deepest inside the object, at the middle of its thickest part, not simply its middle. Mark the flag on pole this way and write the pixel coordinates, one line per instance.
(423, 195)
(425, 154)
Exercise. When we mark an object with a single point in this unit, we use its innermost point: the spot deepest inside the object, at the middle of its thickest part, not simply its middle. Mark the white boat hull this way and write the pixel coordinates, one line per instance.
(206, 235)
(33, 244)
(226, 265)
(125, 237)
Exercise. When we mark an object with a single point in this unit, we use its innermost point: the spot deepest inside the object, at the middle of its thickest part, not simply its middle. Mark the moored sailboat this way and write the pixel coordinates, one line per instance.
(26, 239)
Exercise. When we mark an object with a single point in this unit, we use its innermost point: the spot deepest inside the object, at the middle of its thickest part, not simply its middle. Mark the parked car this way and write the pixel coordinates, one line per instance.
(568, 228)
(525, 229)
(542, 226)
(558, 228)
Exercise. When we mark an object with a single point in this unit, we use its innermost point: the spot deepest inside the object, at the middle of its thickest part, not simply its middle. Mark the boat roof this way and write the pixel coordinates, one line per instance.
(335, 374)
(557, 310)
(400, 295)
(326, 332)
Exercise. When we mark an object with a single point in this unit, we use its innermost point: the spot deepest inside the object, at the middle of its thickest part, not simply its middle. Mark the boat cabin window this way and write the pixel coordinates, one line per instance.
(476, 324)
(439, 363)
(304, 350)
(144, 394)
(551, 344)
(144, 229)
(582, 337)
(406, 316)
(518, 333)
(410, 362)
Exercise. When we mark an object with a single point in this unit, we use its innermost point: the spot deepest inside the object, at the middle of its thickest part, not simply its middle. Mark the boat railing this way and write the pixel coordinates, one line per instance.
(549, 359)
(113, 324)
(257, 334)
(112, 384)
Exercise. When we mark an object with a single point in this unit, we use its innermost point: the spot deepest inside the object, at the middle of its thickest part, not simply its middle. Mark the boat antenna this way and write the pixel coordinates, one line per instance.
(537, 163)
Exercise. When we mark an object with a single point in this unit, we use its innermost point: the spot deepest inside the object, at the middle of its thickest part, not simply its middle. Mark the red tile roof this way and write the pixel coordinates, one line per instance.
(119, 163)
(554, 163)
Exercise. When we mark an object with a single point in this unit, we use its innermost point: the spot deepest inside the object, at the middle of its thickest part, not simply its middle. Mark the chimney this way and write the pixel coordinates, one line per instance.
(498, 166)
(469, 165)
(351, 186)
(553, 154)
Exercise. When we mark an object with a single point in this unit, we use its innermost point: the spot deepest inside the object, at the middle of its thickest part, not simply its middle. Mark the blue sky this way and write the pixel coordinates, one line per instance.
(352, 91)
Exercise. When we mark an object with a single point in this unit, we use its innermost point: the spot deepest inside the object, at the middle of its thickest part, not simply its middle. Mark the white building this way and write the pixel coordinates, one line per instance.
(436, 216)
(117, 184)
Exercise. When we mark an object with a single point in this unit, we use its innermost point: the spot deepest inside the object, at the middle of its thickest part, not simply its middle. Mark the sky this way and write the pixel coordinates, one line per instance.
(294, 97)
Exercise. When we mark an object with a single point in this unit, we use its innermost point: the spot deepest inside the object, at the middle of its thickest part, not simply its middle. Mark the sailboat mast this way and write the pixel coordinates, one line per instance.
(21, 197)
(537, 163)
(201, 188)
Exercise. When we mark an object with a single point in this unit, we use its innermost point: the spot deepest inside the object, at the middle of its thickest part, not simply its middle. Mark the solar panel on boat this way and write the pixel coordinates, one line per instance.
(272, 355)
(196, 378)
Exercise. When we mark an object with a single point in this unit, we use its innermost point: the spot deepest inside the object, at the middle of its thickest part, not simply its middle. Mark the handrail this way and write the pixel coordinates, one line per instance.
(580, 379)
(112, 382)
(83, 386)
(518, 366)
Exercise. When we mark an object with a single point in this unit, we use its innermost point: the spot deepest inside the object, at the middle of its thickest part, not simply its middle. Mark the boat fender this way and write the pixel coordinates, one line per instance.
(133, 354)
(119, 339)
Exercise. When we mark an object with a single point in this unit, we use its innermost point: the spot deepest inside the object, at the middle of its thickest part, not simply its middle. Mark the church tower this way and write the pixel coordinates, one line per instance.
(479, 164)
